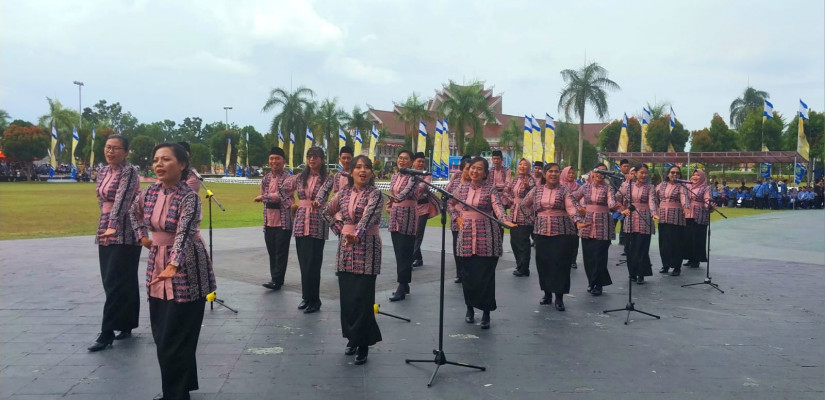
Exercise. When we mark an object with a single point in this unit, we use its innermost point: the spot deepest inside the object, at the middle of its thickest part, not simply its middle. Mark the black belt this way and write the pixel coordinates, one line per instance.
(272, 206)
(423, 201)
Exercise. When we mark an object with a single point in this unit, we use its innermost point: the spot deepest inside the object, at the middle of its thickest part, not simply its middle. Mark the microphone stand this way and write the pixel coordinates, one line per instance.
(708, 280)
(440, 357)
(210, 197)
(630, 306)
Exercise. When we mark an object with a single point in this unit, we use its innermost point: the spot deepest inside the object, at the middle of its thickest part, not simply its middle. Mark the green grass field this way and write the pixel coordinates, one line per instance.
(39, 209)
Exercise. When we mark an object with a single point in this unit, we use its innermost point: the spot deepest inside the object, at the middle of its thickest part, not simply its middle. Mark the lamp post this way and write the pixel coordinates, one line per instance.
(227, 116)
(79, 103)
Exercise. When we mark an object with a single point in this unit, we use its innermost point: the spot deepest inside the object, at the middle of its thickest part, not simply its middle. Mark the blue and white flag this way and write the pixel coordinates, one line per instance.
(765, 170)
(247, 154)
(799, 173)
(767, 112)
(646, 115)
(280, 138)
(672, 119)
(803, 110)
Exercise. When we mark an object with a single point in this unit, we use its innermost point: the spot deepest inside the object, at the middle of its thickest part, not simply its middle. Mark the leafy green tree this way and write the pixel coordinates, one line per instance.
(700, 140)
(97, 146)
(752, 133)
(590, 156)
(200, 158)
(218, 146)
(258, 153)
(814, 129)
(290, 116)
(191, 130)
(4, 121)
(467, 110)
(411, 111)
(140, 151)
(477, 146)
(657, 110)
(609, 136)
(587, 85)
(25, 142)
(567, 143)
(154, 130)
(659, 137)
(512, 136)
(329, 118)
(63, 119)
(103, 114)
(751, 100)
(357, 119)
(722, 138)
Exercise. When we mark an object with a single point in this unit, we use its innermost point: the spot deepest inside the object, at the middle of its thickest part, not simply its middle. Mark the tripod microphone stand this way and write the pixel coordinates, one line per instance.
(630, 306)
(440, 356)
(707, 280)
(210, 197)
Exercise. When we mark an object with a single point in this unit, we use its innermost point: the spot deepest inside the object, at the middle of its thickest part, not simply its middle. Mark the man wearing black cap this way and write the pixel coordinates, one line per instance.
(499, 175)
(344, 158)
(277, 199)
(538, 170)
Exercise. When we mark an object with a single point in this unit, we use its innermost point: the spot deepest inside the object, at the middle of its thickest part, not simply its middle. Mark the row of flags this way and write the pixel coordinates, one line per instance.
(75, 141)
(440, 159)
(238, 165)
(532, 147)
(802, 146)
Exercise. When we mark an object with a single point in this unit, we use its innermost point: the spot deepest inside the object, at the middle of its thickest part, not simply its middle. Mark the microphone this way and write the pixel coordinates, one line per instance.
(200, 178)
(410, 171)
(681, 181)
(609, 173)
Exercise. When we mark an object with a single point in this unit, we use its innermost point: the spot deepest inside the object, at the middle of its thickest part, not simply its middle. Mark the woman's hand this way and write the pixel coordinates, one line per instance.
(510, 224)
(167, 273)
(316, 204)
(582, 211)
(146, 242)
(626, 212)
(656, 217)
(107, 233)
(460, 222)
(350, 240)
(259, 198)
(582, 225)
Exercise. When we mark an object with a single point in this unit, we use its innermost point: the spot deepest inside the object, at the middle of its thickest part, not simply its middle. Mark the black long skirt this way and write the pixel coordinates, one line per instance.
(459, 269)
(638, 255)
(671, 238)
(594, 253)
(176, 328)
(520, 242)
(552, 262)
(479, 282)
(420, 226)
(277, 245)
(574, 252)
(118, 271)
(697, 235)
(358, 323)
(310, 256)
(403, 245)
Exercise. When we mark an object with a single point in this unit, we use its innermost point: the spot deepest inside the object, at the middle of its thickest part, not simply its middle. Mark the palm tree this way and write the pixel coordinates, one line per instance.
(466, 107)
(585, 86)
(751, 99)
(410, 112)
(329, 118)
(657, 110)
(512, 136)
(63, 119)
(292, 115)
(357, 119)
(4, 120)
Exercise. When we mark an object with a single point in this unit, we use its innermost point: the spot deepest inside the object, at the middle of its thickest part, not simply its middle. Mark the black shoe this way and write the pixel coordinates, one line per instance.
(559, 305)
(470, 317)
(694, 264)
(457, 280)
(314, 307)
(272, 285)
(361, 356)
(350, 350)
(417, 263)
(519, 272)
(398, 295)
(574, 266)
(676, 272)
(303, 305)
(547, 299)
(103, 341)
(590, 289)
(485, 320)
(624, 253)
(597, 290)
(663, 270)
(640, 280)
(124, 335)
(686, 263)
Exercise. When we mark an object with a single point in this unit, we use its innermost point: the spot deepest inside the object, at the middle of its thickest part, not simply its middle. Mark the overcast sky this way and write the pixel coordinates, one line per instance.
(177, 59)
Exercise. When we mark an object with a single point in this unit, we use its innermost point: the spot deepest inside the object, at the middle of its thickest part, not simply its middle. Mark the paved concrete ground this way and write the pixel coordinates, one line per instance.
(762, 339)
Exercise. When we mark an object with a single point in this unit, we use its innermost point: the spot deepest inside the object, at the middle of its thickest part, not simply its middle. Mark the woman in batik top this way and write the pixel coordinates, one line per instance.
(401, 207)
(638, 200)
(479, 240)
(179, 275)
(118, 248)
(462, 176)
(514, 193)
(354, 214)
(555, 215)
(568, 180)
(672, 202)
(697, 220)
(596, 231)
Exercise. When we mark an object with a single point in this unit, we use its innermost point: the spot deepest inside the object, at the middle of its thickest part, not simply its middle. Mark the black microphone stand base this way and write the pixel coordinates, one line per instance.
(441, 359)
(221, 303)
(631, 306)
(707, 281)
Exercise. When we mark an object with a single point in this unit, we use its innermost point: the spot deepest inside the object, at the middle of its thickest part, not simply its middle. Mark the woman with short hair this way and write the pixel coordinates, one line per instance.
(596, 230)
(401, 207)
(639, 205)
(672, 200)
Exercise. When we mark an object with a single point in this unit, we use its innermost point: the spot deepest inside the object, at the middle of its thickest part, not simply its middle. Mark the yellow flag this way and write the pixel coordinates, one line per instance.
(549, 139)
(623, 139)
(527, 145)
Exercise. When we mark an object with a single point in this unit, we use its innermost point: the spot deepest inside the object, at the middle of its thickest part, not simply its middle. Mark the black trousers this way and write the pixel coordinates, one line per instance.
(310, 256)
(638, 255)
(671, 242)
(520, 242)
(419, 237)
(176, 328)
(552, 262)
(118, 271)
(594, 253)
(277, 245)
(358, 323)
(697, 237)
(459, 269)
(479, 282)
(403, 245)
(574, 253)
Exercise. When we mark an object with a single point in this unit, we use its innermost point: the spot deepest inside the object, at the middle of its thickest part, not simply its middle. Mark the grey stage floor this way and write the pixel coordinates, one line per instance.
(761, 339)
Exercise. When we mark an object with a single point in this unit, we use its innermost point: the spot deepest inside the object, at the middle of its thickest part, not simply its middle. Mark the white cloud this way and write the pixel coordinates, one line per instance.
(359, 71)
(203, 61)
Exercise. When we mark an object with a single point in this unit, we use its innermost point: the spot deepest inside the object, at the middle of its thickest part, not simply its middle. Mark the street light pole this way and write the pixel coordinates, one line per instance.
(79, 103)
(227, 116)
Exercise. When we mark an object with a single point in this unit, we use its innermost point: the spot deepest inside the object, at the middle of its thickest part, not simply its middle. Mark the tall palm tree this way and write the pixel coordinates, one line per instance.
(292, 114)
(357, 119)
(411, 111)
(751, 99)
(466, 107)
(657, 110)
(587, 85)
(63, 119)
(329, 118)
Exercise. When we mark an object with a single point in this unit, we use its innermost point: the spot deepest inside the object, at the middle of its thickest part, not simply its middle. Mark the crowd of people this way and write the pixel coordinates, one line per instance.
(769, 194)
(544, 207)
